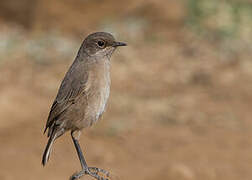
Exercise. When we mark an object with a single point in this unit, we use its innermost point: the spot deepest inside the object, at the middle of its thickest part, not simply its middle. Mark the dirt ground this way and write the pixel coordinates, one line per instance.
(179, 106)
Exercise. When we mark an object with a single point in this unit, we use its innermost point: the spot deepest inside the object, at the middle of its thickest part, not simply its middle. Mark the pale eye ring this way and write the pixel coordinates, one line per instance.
(101, 43)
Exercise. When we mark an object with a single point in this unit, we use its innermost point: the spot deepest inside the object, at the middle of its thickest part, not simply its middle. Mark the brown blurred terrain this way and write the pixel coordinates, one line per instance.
(180, 106)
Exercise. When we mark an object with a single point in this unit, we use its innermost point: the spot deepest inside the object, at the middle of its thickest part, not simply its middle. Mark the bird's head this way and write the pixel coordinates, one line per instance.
(100, 44)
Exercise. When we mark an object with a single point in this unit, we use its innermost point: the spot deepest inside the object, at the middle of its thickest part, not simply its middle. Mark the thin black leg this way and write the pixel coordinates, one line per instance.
(85, 168)
(79, 152)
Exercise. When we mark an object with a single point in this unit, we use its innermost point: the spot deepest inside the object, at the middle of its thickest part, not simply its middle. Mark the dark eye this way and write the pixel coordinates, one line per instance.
(101, 43)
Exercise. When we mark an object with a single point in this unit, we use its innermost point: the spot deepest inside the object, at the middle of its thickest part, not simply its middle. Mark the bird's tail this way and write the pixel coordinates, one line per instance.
(48, 148)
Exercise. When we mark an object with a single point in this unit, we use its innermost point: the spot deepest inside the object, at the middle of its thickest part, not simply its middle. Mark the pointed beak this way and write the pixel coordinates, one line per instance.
(115, 44)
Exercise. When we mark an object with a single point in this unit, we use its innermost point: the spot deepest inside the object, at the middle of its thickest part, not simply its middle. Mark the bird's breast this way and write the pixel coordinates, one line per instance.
(98, 93)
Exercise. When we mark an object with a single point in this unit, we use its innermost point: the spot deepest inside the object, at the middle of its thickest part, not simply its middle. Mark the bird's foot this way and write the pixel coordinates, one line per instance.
(92, 171)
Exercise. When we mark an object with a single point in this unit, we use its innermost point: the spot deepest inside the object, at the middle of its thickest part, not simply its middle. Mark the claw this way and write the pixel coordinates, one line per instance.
(97, 170)
(92, 171)
(77, 175)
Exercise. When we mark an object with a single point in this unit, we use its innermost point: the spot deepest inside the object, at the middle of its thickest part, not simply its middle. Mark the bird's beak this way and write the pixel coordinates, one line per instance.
(115, 44)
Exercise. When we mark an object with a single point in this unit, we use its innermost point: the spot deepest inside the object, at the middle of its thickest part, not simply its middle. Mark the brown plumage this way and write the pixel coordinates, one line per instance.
(82, 95)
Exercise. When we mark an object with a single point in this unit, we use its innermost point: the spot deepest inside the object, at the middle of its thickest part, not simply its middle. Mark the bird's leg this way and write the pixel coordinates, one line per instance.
(92, 171)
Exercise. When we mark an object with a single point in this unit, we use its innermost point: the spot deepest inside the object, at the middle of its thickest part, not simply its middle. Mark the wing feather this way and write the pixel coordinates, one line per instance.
(72, 86)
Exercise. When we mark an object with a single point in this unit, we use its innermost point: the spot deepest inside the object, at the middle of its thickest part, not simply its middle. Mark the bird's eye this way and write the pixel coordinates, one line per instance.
(101, 43)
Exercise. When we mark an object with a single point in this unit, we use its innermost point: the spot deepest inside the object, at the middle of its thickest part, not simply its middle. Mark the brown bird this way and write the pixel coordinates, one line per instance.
(82, 96)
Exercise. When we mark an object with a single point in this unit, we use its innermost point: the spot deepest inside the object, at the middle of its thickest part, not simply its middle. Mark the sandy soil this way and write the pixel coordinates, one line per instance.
(179, 109)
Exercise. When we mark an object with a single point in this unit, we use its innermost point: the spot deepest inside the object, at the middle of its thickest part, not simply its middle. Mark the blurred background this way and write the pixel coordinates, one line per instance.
(180, 106)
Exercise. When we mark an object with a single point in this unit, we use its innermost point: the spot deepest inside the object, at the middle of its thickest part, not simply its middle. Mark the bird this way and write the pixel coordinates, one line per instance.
(82, 97)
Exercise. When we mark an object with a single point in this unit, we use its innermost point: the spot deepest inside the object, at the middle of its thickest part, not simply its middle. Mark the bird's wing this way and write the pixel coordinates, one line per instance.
(72, 86)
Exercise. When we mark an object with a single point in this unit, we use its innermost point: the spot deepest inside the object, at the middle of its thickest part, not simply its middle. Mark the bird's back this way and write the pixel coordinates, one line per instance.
(82, 96)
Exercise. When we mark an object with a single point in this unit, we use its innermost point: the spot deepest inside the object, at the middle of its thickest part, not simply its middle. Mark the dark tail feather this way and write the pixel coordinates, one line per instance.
(48, 148)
